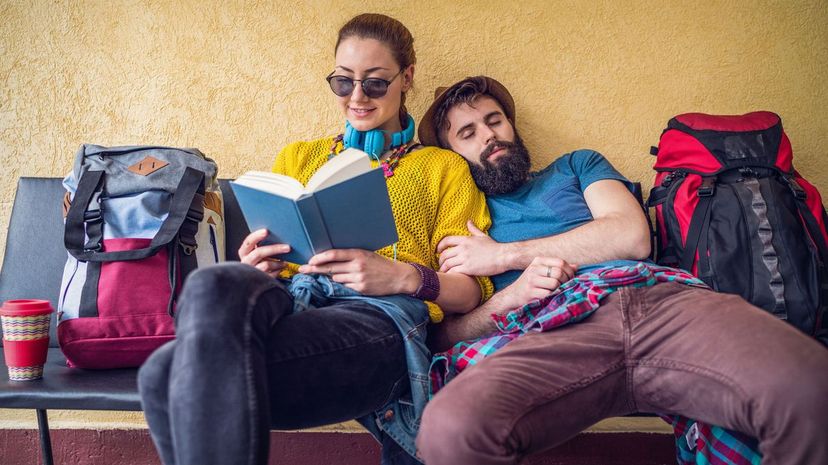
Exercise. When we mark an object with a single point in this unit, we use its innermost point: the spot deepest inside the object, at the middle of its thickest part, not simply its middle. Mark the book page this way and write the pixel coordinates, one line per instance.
(273, 183)
(348, 164)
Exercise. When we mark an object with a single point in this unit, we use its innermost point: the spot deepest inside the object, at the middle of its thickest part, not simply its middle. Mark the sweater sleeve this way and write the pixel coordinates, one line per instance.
(460, 201)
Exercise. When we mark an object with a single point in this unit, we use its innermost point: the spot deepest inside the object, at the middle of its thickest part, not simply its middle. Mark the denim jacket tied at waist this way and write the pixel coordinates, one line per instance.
(400, 418)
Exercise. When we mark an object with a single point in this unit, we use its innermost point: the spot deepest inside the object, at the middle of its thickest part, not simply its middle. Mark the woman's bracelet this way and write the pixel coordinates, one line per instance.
(429, 283)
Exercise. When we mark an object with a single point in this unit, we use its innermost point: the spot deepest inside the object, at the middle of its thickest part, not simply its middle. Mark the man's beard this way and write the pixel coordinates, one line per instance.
(507, 173)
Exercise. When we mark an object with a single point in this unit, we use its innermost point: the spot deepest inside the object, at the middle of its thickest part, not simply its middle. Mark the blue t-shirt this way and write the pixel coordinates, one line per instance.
(552, 202)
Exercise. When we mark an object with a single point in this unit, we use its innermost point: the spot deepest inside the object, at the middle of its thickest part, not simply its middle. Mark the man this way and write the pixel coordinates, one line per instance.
(629, 336)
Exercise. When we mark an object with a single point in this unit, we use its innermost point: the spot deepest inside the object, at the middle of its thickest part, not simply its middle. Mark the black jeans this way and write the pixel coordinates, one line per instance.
(242, 364)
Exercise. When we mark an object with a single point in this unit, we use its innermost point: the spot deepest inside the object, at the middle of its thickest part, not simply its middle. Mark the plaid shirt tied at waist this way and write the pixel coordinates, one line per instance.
(575, 300)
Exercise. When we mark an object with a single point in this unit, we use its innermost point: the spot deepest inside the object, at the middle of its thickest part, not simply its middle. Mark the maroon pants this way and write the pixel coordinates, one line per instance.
(669, 349)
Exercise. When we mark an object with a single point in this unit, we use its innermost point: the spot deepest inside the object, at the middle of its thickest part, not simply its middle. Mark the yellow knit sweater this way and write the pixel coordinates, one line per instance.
(432, 196)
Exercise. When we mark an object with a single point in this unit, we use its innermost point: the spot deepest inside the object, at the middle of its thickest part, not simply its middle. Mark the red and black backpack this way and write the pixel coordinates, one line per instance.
(731, 209)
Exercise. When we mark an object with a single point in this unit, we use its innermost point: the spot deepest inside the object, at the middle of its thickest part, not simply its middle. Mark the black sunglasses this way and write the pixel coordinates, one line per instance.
(371, 87)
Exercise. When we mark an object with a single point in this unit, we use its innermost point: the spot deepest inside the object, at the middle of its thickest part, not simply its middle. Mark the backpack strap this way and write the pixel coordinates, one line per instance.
(703, 267)
(189, 228)
(180, 212)
(658, 195)
(822, 324)
(808, 216)
(701, 216)
(173, 267)
(87, 220)
(814, 230)
(181, 265)
(89, 293)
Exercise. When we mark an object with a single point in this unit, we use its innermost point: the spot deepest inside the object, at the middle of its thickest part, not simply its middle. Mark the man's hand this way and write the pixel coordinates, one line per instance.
(364, 271)
(262, 257)
(540, 278)
(475, 255)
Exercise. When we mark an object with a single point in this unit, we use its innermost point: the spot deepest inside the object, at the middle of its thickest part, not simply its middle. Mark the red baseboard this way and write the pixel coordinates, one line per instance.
(134, 447)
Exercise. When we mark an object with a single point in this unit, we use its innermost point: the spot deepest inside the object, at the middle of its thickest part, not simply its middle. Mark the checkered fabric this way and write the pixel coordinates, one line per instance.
(703, 444)
(575, 300)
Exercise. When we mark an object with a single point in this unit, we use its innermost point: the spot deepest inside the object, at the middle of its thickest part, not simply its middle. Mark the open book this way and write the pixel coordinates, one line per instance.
(345, 205)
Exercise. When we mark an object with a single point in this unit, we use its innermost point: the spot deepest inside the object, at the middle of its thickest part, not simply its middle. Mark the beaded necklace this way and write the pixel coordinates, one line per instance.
(389, 164)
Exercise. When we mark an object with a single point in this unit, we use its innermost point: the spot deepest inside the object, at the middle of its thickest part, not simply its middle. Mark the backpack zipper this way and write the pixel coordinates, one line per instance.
(213, 242)
(677, 174)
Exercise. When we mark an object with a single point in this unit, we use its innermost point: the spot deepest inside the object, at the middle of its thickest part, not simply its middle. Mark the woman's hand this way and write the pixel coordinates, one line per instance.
(540, 279)
(364, 271)
(262, 257)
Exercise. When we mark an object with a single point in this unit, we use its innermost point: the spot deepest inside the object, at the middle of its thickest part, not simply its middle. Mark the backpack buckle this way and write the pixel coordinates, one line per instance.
(92, 247)
(92, 216)
(188, 249)
(188, 245)
(795, 188)
(93, 221)
(707, 188)
(195, 215)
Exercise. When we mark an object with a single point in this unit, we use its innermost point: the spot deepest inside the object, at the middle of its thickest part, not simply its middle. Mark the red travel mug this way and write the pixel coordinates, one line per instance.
(26, 337)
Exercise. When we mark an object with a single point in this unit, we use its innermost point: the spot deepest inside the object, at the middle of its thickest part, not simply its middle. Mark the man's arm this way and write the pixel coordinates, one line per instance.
(463, 327)
(618, 231)
(540, 278)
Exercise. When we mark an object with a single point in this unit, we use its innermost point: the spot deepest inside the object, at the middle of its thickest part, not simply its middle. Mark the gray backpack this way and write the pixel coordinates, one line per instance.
(138, 220)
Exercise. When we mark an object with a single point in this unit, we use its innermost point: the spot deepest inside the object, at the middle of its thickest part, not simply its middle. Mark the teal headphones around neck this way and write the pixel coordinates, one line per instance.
(373, 142)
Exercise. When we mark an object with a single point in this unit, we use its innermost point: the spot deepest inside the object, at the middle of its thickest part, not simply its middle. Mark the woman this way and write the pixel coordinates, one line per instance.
(343, 338)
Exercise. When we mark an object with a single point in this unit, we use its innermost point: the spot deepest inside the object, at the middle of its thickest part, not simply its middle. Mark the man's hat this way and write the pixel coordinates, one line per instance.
(484, 84)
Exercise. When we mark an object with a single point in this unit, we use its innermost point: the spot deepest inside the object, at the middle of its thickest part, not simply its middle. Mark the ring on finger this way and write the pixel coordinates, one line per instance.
(548, 271)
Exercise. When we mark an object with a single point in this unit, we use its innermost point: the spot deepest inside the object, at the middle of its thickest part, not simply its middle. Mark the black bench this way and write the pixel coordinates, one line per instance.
(32, 268)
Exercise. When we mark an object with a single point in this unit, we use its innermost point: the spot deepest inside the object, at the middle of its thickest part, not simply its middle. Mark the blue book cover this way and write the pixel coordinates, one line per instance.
(349, 209)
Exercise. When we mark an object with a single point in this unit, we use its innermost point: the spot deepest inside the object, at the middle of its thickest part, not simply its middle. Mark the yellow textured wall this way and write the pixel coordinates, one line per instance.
(240, 79)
